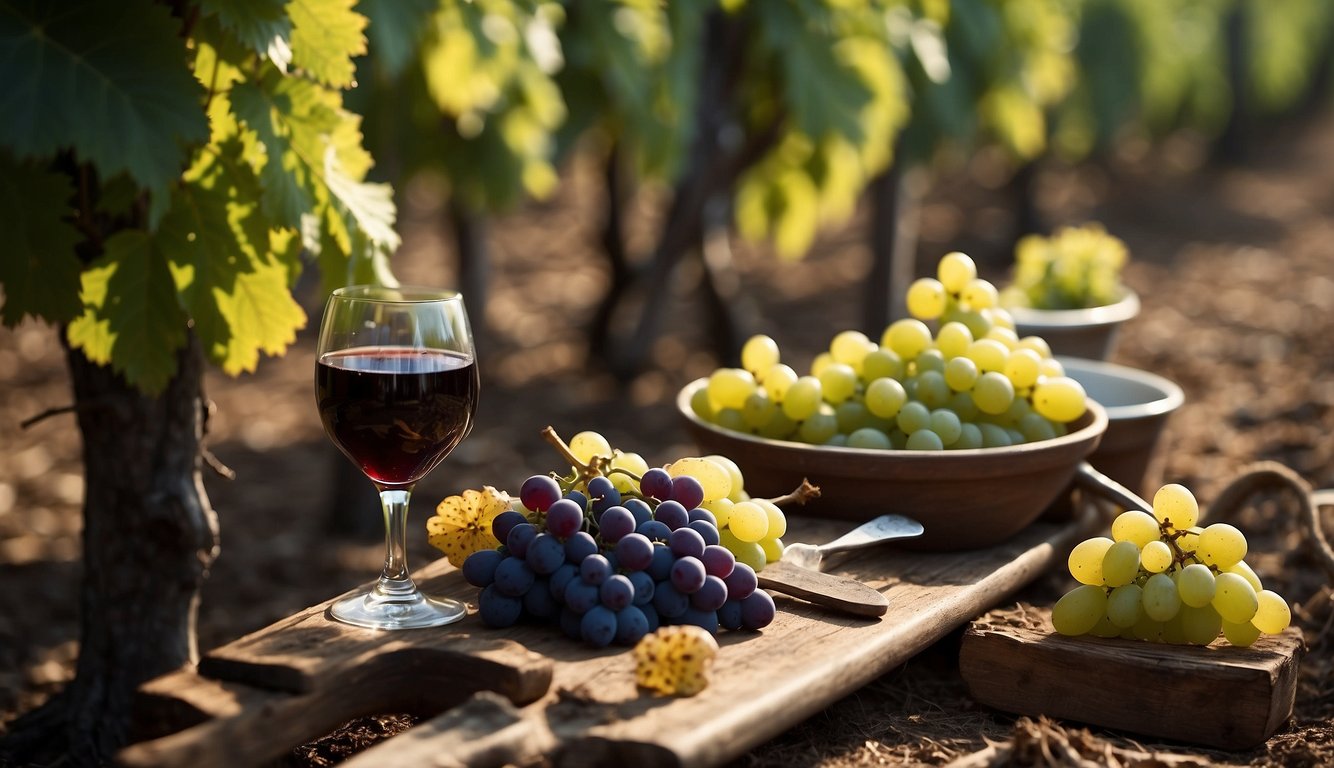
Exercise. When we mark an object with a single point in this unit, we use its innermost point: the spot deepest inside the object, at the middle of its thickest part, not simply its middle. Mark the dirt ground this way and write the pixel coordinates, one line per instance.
(1234, 266)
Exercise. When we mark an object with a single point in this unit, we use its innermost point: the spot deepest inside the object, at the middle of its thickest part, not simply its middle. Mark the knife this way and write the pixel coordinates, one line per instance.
(797, 572)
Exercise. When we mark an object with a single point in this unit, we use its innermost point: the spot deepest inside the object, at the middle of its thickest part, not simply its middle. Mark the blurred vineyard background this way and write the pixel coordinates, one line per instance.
(624, 190)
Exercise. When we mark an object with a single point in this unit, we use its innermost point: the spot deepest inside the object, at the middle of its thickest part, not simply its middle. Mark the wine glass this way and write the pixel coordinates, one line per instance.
(396, 384)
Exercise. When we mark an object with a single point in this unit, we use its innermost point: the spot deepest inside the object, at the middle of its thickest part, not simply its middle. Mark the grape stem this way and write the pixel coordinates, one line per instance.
(585, 470)
(803, 493)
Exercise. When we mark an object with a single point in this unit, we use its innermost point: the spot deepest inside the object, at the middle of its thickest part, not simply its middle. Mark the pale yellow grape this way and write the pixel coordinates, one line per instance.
(1200, 626)
(1035, 428)
(1174, 504)
(1240, 634)
(820, 362)
(1234, 599)
(777, 378)
(970, 437)
(1036, 344)
(750, 553)
(586, 445)
(1196, 584)
(759, 409)
(1156, 557)
(1123, 605)
(978, 294)
(629, 462)
(819, 426)
(907, 337)
(924, 440)
(729, 387)
(701, 405)
(954, 270)
(1135, 525)
(994, 436)
(1243, 570)
(759, 354)
(1189, 539)
(838, 382)
(993, 393)
(1059, 398)
(772, 548)
(1005, 336)
(1160, 598)
(850, 347)
(1085, 560)
(961, 373)
(999, 317)
(912, 417)
(976, 322)
(803, 398)
(1079, 610)
(926, 298)
(712, 477)
(748, 521)
(1022, 368)
(884, 398)
(946, 423)
(721, 509)
(953, 339)
(869, 438)
(777, 520)
(989, 354)
(1120, 564)
(1221, 545)
(882, 363)
(1272, 614)
(1052, 367)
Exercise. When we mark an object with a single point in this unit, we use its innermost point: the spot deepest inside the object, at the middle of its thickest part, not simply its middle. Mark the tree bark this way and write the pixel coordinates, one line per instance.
(149, 539)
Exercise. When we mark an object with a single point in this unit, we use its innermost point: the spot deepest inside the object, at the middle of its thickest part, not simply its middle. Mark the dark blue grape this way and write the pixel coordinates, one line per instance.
(612, 561)
(565, 518)
(594, 570)
(643, 587)
(655, 530)
(615, 523)
(656, 483)
(699, 513)
(577, 497)
(651, 615)
(687, 491)
(711, 596)
(729, 616)
(520, 537)
(634, 552)
(688, 575)
(603, 494)
(706, 619)
(538, 602)
(669, 602)
(757, 610)
(672, 514)
(640, 509)
(631, 625)
(504, 523)
(498, 610)
(598, 627)
(707, 531)
(545, 554)
(561, 579)
(570, 623)
(741, 582)
(661, 567)
(686, 542)
(479, 569)
(513, 577)
(539, 492)
(718, 561)
(579, 546)
(616, 592)
(580, 596)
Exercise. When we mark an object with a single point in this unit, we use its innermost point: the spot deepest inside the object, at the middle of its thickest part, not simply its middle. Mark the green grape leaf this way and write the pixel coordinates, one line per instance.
(370, 206)
(326, 35)
(396, 31)
(40, 270)
(107, 79)
(260, 25)
(287, 182)
(132, 318)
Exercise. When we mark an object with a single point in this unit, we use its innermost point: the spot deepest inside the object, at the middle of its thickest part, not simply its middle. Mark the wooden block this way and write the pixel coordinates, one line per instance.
(1218, 695)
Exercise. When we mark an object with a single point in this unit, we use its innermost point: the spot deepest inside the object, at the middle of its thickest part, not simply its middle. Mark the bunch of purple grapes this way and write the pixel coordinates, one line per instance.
(611, 570)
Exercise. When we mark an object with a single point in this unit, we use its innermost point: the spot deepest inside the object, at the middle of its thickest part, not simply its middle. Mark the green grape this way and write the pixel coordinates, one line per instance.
(1148, 629)
(869, 437)
(1085, 560)
(994, 436)
(1022, 368)
(1037, 344)
(961, 373)
(924, 440)
(978, 294)
(586, 445)
(929, 359)
(748, 552)
(838, 382)
(731, 419)
(1221, 545)
(852, 415)
(1155, 556)
(1234, 598)
(701, 405)
(821, 361)
(729, 387)
(1173, 632)
(837, 441)
(713, 477)
(1121, 564)
(1079, 610)
(993, 393)
(777, 520)
(1105, 628)
(897, 439)
(926, 298)
(772, 549)
(819, 426)
(779, 427)
(1175, 505)
(884, 398)
(976, 322)
(970, 437)
(962, 404)
(913, 416)
(1018, 409)
(1272, 614)
(803, 398)
(1195, 582)
(721, 509)
(1059, 398)
(1016, 437)
(947, 425)
(758, 409)
(1036, 428)
(953, 339)
(1123, 605)
(882, 363)
(629, 462)
(932, 389)
(989, 354)
(1159, 598)
(907, 338)
(955, 269)
(850, 347)
(748, 521)
(759, 354)
(1135, 525)
(777, 379)
(1200, 625)
(1241, 634)
(1243, 570)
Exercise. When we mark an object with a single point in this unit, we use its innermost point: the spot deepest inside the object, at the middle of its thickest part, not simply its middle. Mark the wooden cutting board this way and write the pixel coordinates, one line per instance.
(256, 698)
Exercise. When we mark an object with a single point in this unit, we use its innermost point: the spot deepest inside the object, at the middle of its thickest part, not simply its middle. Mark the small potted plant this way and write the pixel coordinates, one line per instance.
(1067, 289)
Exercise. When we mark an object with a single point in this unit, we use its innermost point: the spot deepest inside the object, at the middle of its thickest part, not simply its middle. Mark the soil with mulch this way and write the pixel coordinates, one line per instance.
(1233, 265)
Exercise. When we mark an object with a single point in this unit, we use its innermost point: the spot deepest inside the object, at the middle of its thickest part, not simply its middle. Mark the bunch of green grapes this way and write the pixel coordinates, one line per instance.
(1076, 268)
(973, 383)
(1163, 578)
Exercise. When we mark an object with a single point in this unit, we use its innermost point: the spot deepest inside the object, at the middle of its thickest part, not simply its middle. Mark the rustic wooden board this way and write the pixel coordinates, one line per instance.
(592, 714)
(1218, 695)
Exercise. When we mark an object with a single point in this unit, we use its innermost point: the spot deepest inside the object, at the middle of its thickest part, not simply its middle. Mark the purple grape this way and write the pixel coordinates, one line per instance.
(688, 575)
(617, 592)
(580, 596)
(643, 587)
(651, 614)
(577, 497)
(631, 625)
(565, 518)
(706, 619)
(504, 523)
(672, 514)
(699, 513)
(711, 596)
(661, 567)
(614, 523)
(635, 552)
(707, 530)
(685, 542)
(498, 610)
(520, 537)
(603, 493)
(538, 602)
(479, 569)
(513, 577)
(545, 554)
(579, 546)
(757, 610)
(669, 602)
(656, 483)
(718, 561)
(687, 491)
(598, 627)
(655, 530)
(561, 578)
(640, 509)
(570, 623)
(539, 492)
(595, 569)
(729, 616)
(741, 582)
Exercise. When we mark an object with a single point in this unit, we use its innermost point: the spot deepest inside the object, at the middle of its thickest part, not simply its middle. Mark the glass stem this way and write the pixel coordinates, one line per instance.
(395, 581)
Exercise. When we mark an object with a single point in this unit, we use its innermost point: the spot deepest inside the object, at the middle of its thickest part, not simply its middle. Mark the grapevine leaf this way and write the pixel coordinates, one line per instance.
(287, 192)
(39, 271)
(132, 318)
(326, 35)
(370, 206)
(260, 25)
(104, 78)
(396, 31)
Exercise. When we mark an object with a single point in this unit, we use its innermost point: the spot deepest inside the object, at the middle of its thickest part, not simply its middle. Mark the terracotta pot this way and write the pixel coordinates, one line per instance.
(1086, 333)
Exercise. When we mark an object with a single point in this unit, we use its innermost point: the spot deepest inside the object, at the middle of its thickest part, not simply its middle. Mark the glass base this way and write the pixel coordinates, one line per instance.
(372, 609)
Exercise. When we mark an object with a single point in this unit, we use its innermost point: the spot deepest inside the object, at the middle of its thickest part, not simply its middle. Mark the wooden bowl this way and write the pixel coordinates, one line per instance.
(965, 499)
